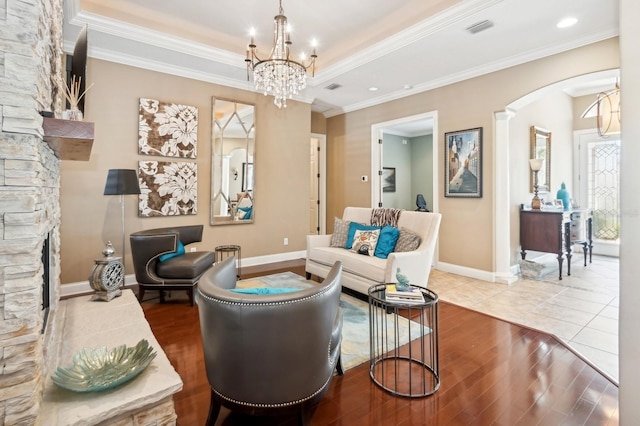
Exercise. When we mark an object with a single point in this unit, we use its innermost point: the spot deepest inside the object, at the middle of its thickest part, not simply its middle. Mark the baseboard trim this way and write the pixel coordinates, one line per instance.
(83, 287)
(472, 273)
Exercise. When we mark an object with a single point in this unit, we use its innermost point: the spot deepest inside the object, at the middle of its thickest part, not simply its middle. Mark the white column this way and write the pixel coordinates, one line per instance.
(502, 200)
(630, 213)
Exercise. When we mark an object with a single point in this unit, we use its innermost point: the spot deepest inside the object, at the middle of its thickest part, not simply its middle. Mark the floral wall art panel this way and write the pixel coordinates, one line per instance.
(167, 129)
(167, 188)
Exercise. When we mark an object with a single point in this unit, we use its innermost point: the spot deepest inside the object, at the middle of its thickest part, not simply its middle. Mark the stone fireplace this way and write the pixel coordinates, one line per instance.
(30, 58)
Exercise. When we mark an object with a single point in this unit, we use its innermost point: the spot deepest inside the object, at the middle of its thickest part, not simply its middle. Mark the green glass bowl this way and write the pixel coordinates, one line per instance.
(100, 369)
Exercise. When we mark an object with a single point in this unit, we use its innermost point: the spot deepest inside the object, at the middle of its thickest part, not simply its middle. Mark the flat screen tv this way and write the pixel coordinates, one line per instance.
(79, 63)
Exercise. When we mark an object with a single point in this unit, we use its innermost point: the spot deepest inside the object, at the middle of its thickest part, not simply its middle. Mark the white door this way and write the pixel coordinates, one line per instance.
(599, 188)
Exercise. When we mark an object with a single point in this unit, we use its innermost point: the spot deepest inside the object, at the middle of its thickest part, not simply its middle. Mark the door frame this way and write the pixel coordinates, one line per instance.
(377, 129)
(322, 184)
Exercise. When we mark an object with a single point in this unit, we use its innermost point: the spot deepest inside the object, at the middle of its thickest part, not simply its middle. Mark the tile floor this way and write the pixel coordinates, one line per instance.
(581, 309)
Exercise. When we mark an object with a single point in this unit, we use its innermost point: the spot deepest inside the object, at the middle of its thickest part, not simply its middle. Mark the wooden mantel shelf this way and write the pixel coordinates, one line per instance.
(69, 139)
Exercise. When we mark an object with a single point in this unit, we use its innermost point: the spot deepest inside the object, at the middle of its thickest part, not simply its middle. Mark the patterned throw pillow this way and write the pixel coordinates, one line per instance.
(364, 242)
(240, 214)
(355, 226)
(407, 241)
(340, 232)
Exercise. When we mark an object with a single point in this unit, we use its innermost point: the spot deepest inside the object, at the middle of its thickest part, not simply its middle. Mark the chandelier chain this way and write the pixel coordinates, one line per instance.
(278, 75)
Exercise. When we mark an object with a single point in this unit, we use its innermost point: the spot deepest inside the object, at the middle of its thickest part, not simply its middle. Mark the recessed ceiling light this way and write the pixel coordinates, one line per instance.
(567, 22)
(373, 89)
(407, 87)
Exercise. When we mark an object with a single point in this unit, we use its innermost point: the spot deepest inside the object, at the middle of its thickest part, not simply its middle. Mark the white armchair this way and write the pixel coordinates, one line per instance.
(360, 272)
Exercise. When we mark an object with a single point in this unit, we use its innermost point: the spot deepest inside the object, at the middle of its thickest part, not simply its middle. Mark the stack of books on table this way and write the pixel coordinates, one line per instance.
(412, 295)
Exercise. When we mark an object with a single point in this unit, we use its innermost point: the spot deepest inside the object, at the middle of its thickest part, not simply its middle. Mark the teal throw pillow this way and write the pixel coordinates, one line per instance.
(387, 241)
(353, 227)
(247, 212)
(178, 252)
(264, 290)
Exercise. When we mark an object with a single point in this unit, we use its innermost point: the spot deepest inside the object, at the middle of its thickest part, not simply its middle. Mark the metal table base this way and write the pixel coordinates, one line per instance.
(404, 344)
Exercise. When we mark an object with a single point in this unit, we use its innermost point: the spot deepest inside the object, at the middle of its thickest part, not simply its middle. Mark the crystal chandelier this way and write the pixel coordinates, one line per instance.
(279, 75)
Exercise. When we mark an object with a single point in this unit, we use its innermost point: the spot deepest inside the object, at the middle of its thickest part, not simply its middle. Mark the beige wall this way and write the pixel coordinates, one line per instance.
(318, 123)
(553, 112)
(90, 218)
(463, 105)
(580, 105)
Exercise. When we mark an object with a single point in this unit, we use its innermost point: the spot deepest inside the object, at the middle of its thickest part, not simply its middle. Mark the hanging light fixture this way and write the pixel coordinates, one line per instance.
(279, 75)
(608, 112)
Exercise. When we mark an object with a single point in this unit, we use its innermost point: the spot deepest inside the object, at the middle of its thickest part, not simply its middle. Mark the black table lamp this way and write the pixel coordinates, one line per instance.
(122, 182)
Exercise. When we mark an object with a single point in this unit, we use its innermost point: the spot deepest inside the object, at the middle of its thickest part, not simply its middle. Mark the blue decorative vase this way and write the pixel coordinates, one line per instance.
(564, 195)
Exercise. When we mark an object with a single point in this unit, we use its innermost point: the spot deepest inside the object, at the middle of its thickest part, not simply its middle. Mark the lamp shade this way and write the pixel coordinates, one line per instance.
(536, 164)
(122, 181)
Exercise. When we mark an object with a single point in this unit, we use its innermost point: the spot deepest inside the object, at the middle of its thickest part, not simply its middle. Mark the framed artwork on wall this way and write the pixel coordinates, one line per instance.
(463, 163)
(388, 179)
(167, 188)
(167, 129)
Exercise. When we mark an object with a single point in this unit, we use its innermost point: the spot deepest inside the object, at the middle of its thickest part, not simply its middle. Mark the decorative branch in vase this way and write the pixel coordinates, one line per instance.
(73, 96)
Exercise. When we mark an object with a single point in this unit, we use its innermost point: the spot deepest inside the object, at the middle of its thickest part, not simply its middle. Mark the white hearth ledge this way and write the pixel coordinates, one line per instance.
(80, 323)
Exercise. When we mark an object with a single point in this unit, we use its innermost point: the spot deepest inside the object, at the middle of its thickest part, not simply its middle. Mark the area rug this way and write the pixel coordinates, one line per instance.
(355, 316)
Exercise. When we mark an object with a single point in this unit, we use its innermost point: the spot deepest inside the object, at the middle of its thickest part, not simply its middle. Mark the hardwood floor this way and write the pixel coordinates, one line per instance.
(491, 372)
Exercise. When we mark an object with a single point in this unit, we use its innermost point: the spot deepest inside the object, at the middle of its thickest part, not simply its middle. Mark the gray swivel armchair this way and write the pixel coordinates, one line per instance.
(269, 354)
(180, 272)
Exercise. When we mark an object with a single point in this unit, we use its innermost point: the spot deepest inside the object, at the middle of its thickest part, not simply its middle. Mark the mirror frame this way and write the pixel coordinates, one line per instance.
(539, 137)
(218, 166)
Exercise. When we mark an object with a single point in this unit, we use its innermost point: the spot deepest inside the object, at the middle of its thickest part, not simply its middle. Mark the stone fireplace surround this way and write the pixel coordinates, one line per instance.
(30, 60)
(31, 37)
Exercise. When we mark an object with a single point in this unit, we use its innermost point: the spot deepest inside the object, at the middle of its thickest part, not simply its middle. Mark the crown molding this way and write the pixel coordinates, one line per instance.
(125, 31)
(164, 67)
(404, 38)
(474, 72)
(154, 38)
(172, 69)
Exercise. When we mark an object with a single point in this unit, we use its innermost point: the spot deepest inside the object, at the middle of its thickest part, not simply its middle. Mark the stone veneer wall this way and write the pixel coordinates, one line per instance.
(30, 55)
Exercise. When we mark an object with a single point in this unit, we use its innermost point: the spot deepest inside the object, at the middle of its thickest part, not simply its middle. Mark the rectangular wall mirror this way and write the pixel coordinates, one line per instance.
(232, 162)
(541, 148)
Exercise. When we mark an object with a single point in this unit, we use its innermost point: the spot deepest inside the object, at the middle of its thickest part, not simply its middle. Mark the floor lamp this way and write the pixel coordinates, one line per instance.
(122, 182)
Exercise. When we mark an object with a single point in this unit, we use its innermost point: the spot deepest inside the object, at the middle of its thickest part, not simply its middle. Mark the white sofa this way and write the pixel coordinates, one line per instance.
(359, 272)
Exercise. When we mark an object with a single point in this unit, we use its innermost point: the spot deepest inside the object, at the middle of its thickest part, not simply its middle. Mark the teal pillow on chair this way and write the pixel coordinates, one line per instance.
(387, 241)
(178, 252)
(353, 227)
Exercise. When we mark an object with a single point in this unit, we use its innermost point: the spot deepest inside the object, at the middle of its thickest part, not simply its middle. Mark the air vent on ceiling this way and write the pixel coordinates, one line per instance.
(480, 26)
(333, 86)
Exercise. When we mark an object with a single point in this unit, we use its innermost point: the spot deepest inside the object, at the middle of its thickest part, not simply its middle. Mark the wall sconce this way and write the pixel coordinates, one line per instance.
(234, 172)
(536, 165)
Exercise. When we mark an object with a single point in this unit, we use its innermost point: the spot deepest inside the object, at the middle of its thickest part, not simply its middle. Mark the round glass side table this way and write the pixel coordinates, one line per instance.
(222, 252)
(404, 343)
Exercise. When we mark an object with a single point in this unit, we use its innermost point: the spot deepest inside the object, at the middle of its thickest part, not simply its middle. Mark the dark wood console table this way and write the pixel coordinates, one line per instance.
(555, 232)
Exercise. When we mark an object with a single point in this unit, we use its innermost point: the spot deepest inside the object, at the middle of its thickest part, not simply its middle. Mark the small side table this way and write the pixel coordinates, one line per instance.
(222, 252)
(409, 370)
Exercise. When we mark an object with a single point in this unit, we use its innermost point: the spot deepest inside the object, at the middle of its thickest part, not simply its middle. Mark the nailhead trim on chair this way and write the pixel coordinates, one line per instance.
(281, 404)
(283, 302)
